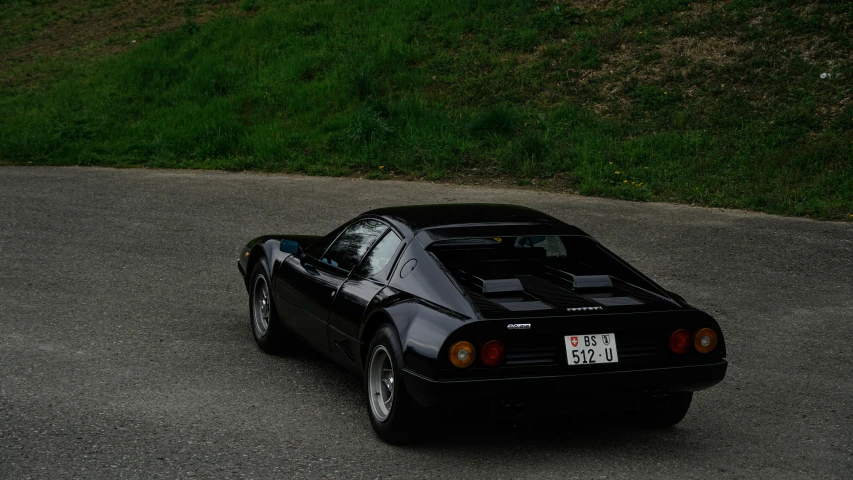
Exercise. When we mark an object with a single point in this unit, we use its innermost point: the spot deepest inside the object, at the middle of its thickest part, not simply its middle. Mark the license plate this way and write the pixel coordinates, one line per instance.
(591, 349)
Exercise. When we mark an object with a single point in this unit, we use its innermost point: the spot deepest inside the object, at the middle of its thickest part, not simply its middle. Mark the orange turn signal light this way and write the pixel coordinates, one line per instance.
(705, 340)
(462, 354)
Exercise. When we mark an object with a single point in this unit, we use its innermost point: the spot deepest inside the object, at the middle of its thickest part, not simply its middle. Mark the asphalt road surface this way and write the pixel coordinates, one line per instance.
(125, 350)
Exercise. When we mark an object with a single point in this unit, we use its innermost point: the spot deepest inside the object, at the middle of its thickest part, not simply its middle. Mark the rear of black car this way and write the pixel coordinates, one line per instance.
(537, 360)
(564, 322)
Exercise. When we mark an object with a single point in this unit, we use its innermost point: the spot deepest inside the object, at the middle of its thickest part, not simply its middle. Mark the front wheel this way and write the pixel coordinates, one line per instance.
(390, 407)
(266, 328)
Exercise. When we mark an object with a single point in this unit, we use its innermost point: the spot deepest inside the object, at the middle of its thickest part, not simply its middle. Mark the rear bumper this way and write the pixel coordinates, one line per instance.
(431, 392)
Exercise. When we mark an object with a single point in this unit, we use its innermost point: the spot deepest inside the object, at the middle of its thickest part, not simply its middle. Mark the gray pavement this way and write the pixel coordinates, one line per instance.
(125, 350)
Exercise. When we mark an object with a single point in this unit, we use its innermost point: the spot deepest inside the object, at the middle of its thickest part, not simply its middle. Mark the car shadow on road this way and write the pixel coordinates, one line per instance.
(483, 428)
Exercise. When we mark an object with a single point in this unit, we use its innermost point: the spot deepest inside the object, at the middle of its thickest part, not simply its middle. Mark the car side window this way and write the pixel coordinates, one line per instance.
(348, 249)
(319, 248)
(381, 254)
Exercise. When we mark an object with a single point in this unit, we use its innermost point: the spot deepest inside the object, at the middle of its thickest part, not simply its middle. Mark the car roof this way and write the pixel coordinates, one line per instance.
(461, 215)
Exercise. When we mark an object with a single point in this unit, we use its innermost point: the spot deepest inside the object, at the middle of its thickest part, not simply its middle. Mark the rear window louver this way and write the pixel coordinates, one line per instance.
(499, 295)
(501, 285)
(640, 294)
(553, 294)
(520, 294)
(484, 305)
(591, 282)
(525, 306)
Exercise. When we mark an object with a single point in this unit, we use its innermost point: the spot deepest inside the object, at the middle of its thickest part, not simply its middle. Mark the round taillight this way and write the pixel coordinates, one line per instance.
(462, 354)
(679, 341)
(492, 353)
(705, 340)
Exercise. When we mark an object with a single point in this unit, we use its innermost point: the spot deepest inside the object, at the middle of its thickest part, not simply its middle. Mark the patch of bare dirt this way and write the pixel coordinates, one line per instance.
(714, 50)
(698, 10)
(587, 5)
(629, 64)
(107, 31)
(476, 177)
(650, 63)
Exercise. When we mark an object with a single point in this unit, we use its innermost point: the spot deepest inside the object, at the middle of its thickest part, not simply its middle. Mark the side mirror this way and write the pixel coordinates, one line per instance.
(289, 246)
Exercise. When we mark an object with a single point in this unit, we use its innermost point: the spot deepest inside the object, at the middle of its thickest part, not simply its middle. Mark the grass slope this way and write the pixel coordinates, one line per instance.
(716, 103)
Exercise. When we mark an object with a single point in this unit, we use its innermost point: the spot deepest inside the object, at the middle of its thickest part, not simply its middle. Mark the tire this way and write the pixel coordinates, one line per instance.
(263, 316)
(669, 413)
(394, 420)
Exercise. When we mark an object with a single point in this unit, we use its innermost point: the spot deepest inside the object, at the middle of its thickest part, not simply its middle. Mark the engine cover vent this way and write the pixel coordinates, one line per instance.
(616, 301)
(502, 285)
(588, 282)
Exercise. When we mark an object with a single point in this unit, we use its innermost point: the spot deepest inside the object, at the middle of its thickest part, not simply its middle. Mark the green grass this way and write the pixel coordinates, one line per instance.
(688, 101)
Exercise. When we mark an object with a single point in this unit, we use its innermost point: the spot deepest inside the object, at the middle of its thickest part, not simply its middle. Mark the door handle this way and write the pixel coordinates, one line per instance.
(310, 268)
(333, 294)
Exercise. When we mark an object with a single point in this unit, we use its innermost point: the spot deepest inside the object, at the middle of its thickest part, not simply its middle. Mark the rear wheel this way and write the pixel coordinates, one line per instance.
(670, 412)
(390, 407)
(266, 328)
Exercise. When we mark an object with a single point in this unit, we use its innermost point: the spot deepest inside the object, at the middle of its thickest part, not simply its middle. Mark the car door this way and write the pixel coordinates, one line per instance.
(309, 282)
(354, 296)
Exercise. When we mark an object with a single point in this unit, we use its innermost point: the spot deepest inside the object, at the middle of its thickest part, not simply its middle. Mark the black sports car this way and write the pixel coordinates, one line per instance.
(462, 304)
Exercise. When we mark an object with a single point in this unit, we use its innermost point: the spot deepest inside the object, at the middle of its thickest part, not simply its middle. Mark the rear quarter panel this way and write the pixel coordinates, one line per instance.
(423, 329)
(429, 281)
